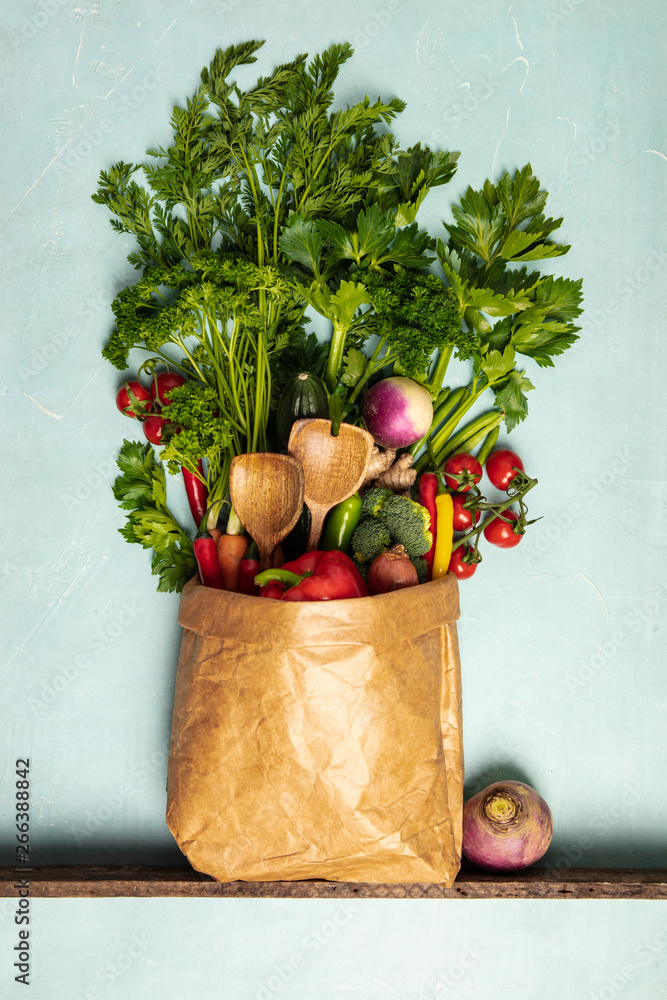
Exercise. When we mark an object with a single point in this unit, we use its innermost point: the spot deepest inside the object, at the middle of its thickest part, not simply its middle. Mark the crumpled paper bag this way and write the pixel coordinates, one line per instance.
(319, 740)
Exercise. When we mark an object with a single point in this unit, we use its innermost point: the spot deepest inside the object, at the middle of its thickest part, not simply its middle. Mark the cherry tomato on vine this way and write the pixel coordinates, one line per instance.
(461, 569)
(161, 384)
(463, 517)
(501, 467)
(500, 533)
(154, 428)
(462, 465)
(134, 400)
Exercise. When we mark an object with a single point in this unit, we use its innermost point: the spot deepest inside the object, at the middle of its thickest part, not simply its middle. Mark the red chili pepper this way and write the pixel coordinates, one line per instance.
(248, 570)
(316, 576)
(197, 493)
(426, 494)
(206, 554)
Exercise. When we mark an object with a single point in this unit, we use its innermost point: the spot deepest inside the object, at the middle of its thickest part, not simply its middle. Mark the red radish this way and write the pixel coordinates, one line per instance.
(506, 827)
(134, 400)
(397, 412)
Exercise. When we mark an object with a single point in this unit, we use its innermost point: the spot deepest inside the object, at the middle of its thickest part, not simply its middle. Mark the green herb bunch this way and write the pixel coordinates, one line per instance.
(270, 201)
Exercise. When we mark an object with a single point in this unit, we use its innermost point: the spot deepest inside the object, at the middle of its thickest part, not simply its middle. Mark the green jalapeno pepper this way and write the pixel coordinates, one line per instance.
(340, 524)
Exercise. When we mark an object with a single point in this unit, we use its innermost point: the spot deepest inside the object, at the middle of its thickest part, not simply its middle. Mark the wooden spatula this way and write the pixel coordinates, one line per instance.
(333, 467)
(267, 493)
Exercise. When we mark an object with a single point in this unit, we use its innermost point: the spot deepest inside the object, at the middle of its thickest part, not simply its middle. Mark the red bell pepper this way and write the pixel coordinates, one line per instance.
(274, 590)
(315, 576)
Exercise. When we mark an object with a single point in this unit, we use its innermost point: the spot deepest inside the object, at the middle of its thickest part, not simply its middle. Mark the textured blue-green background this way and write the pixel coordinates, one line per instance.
(562, 639)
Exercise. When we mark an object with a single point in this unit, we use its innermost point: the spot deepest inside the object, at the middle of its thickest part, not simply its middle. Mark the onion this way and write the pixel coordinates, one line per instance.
(507, 826)
(391, 570)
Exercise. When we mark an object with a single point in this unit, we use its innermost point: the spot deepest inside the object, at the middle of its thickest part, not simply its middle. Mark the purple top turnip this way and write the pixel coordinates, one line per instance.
(507, 826)
(397, 412)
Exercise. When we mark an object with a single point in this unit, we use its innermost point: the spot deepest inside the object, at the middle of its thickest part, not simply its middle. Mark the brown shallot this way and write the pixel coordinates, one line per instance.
(391, 570)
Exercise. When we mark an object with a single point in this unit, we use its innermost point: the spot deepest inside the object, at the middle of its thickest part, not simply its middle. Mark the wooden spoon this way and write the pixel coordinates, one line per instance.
(266, 491)
(333, 467)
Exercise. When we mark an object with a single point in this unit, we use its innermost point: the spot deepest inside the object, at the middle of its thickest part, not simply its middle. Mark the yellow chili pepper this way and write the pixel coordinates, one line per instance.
(444, 535)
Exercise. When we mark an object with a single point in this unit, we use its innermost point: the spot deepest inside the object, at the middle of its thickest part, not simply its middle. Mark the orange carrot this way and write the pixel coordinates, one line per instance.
(231, 550)
(215, 534)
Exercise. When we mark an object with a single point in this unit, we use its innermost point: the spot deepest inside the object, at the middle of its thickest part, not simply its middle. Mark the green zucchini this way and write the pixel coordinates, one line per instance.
(304, 396)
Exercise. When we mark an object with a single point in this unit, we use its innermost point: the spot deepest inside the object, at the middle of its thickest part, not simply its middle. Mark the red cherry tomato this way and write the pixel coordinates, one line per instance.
(134, 400)
(162, 384)
(462, 465)
(500, 533)
(463, 517)
(461, 569)
(501, 468)
(154, 428)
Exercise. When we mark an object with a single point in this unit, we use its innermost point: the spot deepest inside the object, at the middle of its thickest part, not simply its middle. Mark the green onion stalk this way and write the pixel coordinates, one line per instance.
(442, 441)
(235, 361)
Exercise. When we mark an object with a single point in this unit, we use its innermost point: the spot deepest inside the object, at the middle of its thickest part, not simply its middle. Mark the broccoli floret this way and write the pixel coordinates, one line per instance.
(370, 538)
(372, 501)
(422, 568)
(388, 519)
(408, 523)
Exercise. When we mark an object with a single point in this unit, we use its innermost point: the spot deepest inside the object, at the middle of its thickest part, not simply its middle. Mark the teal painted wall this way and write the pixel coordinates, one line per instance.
(562, 639)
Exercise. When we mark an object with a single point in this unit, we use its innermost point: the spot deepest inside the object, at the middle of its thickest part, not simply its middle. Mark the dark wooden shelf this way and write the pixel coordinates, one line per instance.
(78, 881)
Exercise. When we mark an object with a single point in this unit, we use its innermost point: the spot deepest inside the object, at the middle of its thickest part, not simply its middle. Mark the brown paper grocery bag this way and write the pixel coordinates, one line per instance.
(318, 740)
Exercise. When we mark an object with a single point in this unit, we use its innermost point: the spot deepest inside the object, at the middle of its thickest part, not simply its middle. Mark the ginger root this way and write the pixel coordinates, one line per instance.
(399, 477)
(379, 463)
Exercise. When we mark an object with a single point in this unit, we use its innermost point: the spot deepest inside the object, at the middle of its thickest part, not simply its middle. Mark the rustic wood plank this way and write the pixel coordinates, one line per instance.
(70, 881)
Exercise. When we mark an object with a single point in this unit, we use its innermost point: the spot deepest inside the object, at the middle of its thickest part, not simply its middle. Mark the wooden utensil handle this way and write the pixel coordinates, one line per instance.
(317, 515)
(265, 553)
